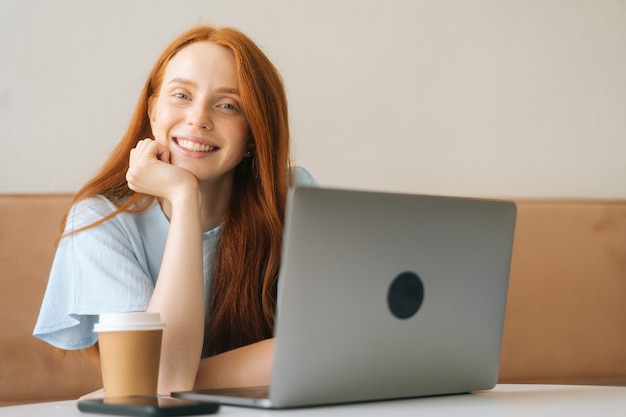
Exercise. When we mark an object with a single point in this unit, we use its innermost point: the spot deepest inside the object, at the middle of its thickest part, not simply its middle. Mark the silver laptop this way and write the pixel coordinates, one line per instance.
(385, 296)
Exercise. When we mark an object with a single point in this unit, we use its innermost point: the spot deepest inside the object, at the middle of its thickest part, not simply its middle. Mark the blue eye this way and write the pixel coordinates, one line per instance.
(229, 106)
(181, 96)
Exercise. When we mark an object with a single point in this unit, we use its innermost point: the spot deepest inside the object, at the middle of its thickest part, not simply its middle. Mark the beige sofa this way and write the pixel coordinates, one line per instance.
(565, 320)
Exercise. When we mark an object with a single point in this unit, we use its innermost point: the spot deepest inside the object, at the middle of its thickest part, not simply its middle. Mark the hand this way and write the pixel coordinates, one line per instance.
(246, 366)
(150, 172)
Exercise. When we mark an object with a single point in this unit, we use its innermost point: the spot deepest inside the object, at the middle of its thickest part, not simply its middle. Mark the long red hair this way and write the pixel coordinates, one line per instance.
(243, 293)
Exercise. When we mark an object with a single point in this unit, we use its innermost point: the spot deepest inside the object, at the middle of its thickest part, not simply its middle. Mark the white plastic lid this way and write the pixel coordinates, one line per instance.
(136, 320)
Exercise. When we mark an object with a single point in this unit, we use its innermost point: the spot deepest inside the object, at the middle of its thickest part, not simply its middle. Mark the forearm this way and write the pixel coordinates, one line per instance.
(179, 297)
(246, 366)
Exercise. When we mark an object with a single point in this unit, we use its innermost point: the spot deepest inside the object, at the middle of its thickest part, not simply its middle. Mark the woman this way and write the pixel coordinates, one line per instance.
(186, 217)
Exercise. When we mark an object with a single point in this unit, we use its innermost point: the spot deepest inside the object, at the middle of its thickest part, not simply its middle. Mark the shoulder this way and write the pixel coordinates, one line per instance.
(93, 209)
(88, 211)
(97, 203)
(302, 178)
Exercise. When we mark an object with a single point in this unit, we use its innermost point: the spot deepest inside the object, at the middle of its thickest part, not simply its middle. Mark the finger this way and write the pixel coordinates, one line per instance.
(143, 143)
(165, 155)
(152, 147)
(145, 151)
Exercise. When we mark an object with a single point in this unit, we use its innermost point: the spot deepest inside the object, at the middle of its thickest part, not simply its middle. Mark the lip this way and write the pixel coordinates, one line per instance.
(201, 147)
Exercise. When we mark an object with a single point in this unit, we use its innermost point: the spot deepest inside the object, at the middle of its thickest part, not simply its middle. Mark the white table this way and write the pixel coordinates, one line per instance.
(503, 400)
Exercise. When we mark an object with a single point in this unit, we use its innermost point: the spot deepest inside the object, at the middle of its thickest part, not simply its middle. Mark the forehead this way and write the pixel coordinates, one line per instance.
(203, 63)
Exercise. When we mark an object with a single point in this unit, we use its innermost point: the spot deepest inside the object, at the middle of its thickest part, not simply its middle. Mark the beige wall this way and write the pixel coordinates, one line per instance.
(521, 98)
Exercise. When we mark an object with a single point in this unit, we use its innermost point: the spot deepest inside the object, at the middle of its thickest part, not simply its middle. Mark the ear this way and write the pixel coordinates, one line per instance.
(251, 146)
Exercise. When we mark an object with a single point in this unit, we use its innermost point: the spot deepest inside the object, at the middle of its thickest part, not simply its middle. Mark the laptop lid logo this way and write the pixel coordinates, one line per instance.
(405, 295)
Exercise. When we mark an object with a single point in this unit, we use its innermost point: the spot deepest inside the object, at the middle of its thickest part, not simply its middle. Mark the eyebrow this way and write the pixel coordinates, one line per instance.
(228, 90)
(185, 81)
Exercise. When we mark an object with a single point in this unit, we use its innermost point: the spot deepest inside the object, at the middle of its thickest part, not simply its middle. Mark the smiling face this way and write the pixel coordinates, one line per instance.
(197, 113)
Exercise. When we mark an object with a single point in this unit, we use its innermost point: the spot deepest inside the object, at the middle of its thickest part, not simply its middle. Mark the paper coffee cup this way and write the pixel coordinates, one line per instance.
(130, 351)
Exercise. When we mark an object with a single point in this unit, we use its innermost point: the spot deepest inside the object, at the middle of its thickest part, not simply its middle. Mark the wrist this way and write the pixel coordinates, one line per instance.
(186, 198)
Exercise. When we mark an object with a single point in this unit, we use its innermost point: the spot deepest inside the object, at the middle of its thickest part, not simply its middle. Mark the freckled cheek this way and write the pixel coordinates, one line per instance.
(244, 131)
(246, 134)
(161, 123)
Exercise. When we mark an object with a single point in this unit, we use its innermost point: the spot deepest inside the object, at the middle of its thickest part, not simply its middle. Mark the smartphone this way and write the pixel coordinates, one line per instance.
(145, 406)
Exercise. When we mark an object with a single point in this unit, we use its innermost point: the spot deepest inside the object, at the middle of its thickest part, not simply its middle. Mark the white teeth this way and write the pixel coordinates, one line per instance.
(194, 147)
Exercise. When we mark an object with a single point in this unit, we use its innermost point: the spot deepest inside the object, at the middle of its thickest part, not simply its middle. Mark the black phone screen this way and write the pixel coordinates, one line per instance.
(144, 406)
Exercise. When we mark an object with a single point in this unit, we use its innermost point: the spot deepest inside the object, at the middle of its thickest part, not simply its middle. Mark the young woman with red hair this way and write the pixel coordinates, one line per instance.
(186, 217)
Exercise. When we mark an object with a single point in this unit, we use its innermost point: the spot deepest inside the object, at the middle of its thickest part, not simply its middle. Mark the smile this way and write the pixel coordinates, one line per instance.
(195, 146)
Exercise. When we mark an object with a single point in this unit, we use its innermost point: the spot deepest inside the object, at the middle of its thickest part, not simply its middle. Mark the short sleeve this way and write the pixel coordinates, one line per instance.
(100, 269)
(302, 177)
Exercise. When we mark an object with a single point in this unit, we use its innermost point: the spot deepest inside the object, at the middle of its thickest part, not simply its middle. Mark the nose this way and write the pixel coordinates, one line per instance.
(199, 116)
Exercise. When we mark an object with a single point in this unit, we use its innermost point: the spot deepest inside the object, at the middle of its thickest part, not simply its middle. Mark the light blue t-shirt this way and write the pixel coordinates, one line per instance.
(110, 268)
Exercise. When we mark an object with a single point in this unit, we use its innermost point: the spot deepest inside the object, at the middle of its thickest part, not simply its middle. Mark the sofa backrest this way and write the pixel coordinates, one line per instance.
(565, 319)
(30, 369)
(566, 308)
